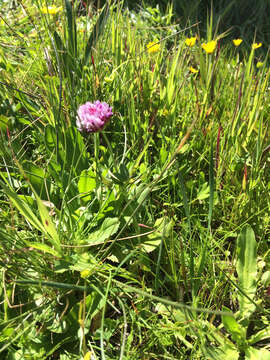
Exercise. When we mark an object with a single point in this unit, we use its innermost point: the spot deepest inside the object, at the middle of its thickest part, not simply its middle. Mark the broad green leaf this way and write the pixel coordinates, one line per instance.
(237, 332)
(36, 176)
(50, 137)
(266, 278)
(4, 122)
(163, 229)
(86, 184)
(225, 352)
(247, 270)
(259, 336)
(142, 193)
(58, 327)
(257, 354)
(203, 192)
(107, 229)
(27, 199)
(75, 151)
(42, 247)
(61, 266)
(85, 261)
(151, 245)
(93, 302)
(123, 175)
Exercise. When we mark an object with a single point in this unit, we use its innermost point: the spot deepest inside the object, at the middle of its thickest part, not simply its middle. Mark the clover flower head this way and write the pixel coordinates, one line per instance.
(153, 47)
(256, 45)
(190, 41)
(92, 117)
(209, 47)
(52, 10)
(259, 64)
(237, 42)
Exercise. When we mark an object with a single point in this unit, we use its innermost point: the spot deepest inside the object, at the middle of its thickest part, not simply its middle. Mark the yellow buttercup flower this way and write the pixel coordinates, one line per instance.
(237, 42)
(256, 45)
(259, 64)
(85, 273)
(210, 46)
(153, 47)
(87, 356)
(194, 71)
(52, 10)
(190, 41)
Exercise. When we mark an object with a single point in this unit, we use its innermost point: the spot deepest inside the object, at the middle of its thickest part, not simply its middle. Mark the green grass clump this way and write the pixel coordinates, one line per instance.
(149, 239)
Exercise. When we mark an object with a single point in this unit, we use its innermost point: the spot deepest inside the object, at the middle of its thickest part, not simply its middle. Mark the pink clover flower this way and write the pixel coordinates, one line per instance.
(92, 117)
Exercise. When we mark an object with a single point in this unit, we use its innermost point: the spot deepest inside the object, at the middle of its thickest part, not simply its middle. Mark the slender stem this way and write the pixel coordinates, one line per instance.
(111, 151)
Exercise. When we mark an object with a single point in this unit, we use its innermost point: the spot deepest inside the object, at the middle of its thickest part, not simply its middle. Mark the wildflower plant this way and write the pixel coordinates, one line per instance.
(103, 222)
(190, 42)
(210, 46)
(51, 10)
(153, 47)
(256, 45)
(237, 42)
(259, 64)
(92, 117)
(193, 70)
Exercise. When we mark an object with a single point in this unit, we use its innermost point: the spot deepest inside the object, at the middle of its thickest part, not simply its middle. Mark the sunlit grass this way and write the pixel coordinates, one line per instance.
(126, 242)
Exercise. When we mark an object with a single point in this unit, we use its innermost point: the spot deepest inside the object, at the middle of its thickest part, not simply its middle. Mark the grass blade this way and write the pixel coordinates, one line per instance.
(97, 31)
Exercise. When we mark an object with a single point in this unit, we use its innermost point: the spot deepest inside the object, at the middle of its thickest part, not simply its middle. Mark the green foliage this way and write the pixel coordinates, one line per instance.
(246, 267)
(137, 242)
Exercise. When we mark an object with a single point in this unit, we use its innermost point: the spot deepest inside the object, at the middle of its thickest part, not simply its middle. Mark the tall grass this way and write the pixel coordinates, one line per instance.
(143, 240)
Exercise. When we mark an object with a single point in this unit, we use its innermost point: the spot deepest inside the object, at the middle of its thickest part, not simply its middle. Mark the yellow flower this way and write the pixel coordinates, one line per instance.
(256, 46)
(259, 64)
(237, 42)
(210, 46)
(87, 356)
(194, 71)
(52, 10)
(85, 273)
(153, 47)
(190, 41)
